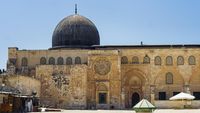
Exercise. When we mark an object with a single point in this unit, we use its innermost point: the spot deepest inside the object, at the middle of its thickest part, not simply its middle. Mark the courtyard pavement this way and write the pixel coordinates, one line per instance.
(130, 111)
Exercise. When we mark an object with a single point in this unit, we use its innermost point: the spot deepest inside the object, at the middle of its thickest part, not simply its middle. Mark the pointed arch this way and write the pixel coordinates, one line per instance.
(43, 61)
(77, 60)
(135, 60)
(51, 61)
(157, 60)
(169, 60)
(180, 60)
(24, 61)
(60, 61)
(191, 60)
(124, 60)
(146, 60)
(68, 61)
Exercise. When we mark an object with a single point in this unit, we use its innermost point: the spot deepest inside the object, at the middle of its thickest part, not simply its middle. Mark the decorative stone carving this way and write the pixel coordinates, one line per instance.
(102, 66)
(60, 80)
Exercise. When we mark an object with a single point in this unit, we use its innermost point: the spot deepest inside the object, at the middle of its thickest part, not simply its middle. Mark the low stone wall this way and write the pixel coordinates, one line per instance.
(177, 104)
(196, 104)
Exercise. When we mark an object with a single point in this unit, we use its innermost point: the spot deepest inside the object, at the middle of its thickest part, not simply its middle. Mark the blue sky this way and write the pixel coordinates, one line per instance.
(29, 24)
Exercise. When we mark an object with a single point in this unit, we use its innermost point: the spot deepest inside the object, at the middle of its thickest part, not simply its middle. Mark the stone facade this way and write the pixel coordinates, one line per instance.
(106, 78)
(63, 86)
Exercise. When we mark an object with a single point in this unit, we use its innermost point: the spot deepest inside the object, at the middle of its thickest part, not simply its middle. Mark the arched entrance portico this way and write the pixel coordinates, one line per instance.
(134, 87)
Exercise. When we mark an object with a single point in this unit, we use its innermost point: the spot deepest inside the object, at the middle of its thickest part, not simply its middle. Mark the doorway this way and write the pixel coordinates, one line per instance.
(102, 98)
(135, 98)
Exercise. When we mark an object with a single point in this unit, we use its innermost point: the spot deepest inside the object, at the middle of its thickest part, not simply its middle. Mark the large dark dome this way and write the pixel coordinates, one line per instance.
(75, 31)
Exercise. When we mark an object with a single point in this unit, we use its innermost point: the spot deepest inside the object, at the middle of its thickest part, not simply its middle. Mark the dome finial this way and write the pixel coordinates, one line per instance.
(75, 8)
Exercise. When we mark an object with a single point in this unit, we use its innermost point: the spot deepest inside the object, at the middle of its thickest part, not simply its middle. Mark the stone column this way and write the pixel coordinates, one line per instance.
(186, 88)
(122, 99)
(152, 88)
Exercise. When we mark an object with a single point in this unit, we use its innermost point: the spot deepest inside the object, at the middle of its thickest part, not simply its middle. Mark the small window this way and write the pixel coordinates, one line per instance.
(135, 60)
(180, 60)
(191, 60)
(169, 60)
(102, 98)
(124, 60)
(43, 61)
(60, 61)
(169, 78)
(146, 60)
(24, 61)
(77, 60)
(175, 93)
(162, 95)
(197, 95)
(51, 61)
(157, 60)
(69, 61)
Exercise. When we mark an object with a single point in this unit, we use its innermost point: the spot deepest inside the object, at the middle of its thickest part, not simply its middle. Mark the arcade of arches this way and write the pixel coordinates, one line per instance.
(134, 86)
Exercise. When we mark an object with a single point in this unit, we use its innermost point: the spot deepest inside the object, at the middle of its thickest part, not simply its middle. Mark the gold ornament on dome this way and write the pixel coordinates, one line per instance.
(102, 66)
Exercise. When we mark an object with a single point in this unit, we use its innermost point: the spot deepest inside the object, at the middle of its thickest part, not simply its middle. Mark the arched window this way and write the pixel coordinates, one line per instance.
(169, 60)
(43, 61)
(135, 60)
(52, 61)
(60, 61)
(77, 60)
(124, 60)
(157, 60)
(191, 60)
(24, 61)
(180, 60)
(169, 78)
(146, 60)
(69, 61)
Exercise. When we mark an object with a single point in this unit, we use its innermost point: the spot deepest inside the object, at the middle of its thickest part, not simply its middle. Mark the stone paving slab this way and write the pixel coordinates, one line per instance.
(130, 111)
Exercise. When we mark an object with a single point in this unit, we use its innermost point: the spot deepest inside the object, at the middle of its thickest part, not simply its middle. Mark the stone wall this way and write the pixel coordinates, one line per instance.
(104, 76)
(33, 56)
(63, 86)
(26, 85)
(185, 77)
(101, 71)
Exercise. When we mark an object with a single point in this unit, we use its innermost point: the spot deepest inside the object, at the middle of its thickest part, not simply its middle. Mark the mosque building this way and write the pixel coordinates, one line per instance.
(79, 73)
